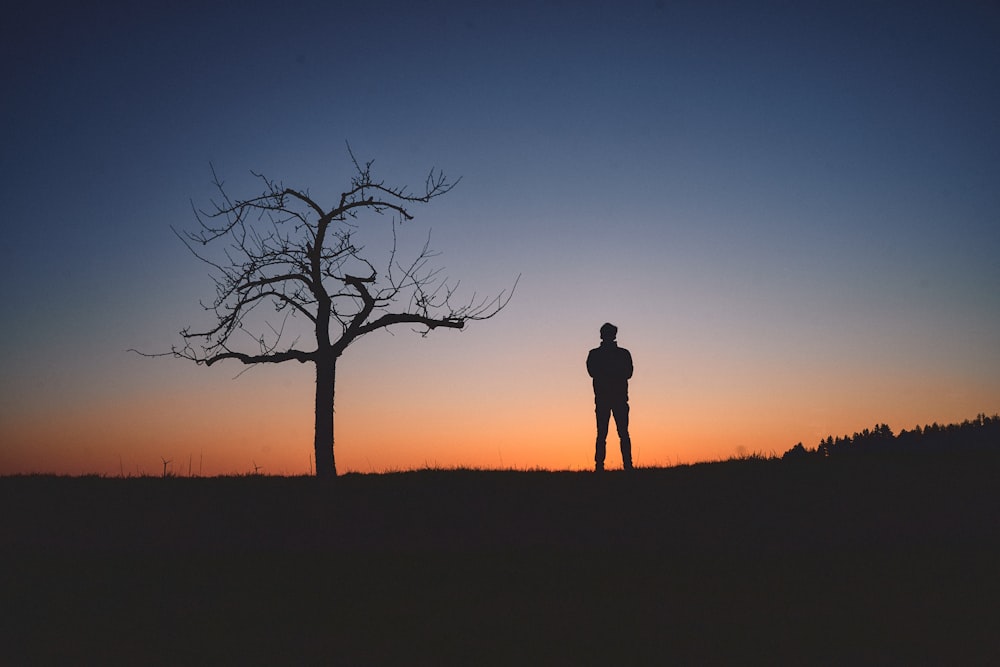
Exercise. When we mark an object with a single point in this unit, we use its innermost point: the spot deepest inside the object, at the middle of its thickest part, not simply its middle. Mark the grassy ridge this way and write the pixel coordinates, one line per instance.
(754, 562)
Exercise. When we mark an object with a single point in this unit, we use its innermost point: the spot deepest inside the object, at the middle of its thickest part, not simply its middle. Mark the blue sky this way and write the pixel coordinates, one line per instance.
(789, 209)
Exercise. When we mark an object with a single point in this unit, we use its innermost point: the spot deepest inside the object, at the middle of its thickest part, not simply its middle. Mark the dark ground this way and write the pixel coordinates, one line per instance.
(756, 562)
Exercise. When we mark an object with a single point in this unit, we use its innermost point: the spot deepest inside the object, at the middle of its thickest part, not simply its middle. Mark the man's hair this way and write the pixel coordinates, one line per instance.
(608, 331)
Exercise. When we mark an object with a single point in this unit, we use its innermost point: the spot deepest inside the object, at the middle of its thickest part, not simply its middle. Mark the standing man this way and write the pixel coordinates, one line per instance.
(611, 368)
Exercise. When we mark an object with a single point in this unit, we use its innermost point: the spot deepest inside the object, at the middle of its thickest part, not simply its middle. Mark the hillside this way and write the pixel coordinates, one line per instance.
(852, 561)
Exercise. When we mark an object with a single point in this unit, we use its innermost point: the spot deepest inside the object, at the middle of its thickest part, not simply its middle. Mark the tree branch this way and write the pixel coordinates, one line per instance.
(273, 358)
(283, 245)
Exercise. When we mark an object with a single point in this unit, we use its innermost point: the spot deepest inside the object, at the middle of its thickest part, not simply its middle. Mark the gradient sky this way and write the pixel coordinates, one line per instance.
(791, 211)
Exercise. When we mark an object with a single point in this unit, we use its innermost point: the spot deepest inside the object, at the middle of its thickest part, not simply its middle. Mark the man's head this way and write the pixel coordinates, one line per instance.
(608, 331)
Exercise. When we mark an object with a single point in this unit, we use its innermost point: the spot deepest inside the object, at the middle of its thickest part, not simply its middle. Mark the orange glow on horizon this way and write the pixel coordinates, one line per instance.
(212, 439)
(435, 404)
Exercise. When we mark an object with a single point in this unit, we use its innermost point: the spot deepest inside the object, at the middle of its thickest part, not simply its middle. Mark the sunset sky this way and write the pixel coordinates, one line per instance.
(790, 210)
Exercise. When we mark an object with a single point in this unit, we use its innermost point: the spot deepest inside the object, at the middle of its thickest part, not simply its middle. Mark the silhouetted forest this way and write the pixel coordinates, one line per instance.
(976, 435)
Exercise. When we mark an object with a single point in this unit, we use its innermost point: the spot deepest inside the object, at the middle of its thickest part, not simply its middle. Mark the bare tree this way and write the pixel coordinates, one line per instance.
(291, 269)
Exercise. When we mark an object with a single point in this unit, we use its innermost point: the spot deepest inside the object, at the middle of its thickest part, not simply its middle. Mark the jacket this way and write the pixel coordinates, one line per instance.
(611, 368)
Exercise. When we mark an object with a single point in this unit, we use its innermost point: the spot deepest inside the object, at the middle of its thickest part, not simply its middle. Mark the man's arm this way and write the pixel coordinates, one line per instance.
(628, 358)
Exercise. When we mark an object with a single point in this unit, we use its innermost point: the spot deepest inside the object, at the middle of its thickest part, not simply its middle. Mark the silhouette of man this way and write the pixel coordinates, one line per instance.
(611, 368)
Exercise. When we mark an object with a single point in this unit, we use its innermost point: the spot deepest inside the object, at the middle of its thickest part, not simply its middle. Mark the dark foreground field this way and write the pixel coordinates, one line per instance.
(758, 562)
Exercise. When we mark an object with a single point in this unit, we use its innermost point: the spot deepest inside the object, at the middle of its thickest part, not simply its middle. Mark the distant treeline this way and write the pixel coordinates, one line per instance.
(979, 434)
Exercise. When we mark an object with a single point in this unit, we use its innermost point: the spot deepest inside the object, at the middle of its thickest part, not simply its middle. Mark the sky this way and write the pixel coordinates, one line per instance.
(791, 210)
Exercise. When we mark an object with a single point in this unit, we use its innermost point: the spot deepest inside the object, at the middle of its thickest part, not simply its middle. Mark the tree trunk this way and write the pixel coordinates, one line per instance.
(326, 377)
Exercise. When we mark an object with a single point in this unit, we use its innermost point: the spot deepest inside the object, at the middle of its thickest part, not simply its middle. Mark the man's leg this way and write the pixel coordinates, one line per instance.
(621, 423)
(603, 411)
